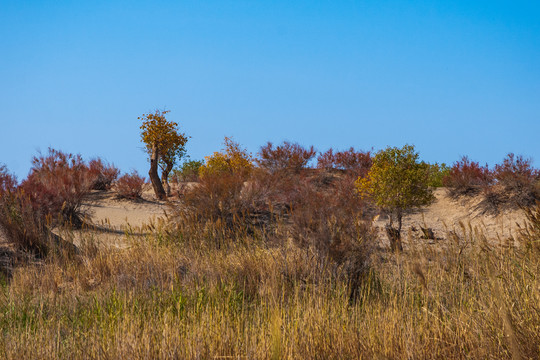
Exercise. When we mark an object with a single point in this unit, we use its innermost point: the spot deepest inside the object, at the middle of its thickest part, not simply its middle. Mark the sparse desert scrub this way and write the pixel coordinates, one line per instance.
(218, 198)
(332, 224)
(274, 207)
(130, 186)
(511, 184)
(25, 227)
(18, 219)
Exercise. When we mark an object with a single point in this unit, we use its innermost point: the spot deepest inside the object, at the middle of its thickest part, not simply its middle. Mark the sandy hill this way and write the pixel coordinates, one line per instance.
(114, 217)
(443, 216)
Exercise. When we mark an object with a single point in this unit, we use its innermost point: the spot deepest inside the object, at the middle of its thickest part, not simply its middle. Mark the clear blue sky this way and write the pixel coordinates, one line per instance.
(451, 77)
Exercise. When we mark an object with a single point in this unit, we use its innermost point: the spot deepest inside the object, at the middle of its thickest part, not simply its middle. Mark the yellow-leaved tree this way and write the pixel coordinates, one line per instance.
(164, 144)
(397, 182)
(231, 160)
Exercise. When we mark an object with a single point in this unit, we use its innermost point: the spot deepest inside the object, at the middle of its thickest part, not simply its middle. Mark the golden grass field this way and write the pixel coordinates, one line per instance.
(142, 289)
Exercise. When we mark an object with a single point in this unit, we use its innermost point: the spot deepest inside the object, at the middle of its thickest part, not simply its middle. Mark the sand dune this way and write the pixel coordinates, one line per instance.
(444, 215)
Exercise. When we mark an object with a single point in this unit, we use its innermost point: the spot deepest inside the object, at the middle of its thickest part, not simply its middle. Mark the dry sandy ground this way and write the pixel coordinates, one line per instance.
(105, 209)
(114, 217)
(444, 215)
(459, 215)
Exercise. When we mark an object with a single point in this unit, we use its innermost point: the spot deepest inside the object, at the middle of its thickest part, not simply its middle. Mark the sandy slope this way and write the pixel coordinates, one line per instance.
(105, 209)
(447, 214)
(444, 215)
(115, 216)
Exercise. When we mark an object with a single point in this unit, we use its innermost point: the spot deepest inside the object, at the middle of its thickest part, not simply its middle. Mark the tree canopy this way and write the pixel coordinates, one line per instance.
(164, 143)
(397, 182)
(231, 160)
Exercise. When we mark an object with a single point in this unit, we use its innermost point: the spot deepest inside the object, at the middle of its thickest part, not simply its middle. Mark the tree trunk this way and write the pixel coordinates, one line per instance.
(165, 177)
(399, 246)
(153, 174)
(394, 235)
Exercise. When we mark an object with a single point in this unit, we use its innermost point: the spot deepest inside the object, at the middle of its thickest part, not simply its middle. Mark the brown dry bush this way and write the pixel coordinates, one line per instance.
(130, 186)
(351, 161)
(518, 179)
(25, 226)
(287, 156)
(467, 178)
(279, 191)
(25, 221)
(516, 185)
(217, 196)
(57, 184)
(324, 220)
(494, 198)
(221, 209)
(323, 216)
(102, 175)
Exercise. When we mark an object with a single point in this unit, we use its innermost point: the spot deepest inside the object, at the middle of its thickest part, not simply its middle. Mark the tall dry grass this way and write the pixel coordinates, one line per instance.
(162, 298)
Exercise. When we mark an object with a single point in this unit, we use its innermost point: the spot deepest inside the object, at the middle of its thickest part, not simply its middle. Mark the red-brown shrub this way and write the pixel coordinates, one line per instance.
(56, 187)
(515, 172)
(25, 223)
(288, 156)
(279, 190)
(326, 160)
(102, 175)
(350, 160)
(130, 186)
(25, 227)
(467, 177)
(216, 196)
(217, 210)
(282, 191)
(518, 179)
